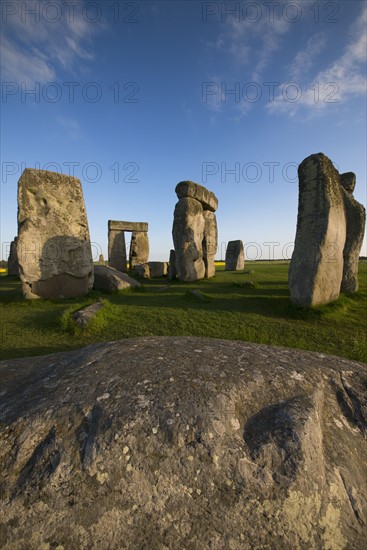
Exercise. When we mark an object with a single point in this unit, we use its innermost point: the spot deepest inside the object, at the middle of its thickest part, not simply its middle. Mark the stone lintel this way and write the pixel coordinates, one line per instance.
(127, 226)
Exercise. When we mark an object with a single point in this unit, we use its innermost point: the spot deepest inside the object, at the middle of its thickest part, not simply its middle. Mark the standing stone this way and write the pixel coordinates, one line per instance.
(54, 249)
(356, 221)
(101, 259)
(158, 269)
(142, 271)
(348, 181)
(13, 267)
(117, 250)
(188, 235)
(210, 242)
(316, 268)
(172, 270)
(139, 248)
(194, 231)
(235, 256)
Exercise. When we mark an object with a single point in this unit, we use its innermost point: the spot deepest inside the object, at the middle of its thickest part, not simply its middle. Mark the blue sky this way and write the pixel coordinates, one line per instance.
(133, 97)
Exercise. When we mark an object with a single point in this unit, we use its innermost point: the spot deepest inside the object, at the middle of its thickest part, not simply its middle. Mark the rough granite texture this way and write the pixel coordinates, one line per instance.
(188, 235)
(117, 249)
(193, 190)
(139, 248)
(210, 242)
(142, 271)
(176, 443)
(172, 270)
(355, 214)
(13, 267)
(235, 256)
(84, 316)
(111, 280)
(316, 268)
(54, 249)
(158, 269)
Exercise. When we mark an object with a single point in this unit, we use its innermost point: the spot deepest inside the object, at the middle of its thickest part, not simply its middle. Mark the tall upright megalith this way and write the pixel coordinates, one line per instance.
(13, 267)
(355, 214)
(54, 249)
(194, 231)
(210, 242)
(139, 248)
(235, 256)
(316, 268)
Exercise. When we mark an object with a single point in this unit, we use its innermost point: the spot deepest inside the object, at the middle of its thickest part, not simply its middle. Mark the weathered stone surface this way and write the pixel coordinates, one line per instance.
(235, 256)
(111, 280)
(54, 250)
(142, 270)
(210, 242)
(158, 269)
(355, 214)
(114, 225)
(183, 443)
(193, 190)
(117, 249)
(139, 248)
(316, 268)
(101, 259)
(172, 270)
(348, 181)
(188, 235)
(83, 316)
(13, 267)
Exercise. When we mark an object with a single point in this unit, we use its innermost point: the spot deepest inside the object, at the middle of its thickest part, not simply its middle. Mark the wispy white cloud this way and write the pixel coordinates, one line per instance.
(304, 60)
(70, 126)
(342, 80)
(252, 39)
(36, 49)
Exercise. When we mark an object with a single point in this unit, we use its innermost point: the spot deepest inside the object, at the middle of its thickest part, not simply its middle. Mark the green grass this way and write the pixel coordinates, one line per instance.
(237, 306)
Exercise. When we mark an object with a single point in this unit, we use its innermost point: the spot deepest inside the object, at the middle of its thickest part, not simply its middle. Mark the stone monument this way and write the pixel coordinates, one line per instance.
(54, 249)
(194, 231)
(235, 256)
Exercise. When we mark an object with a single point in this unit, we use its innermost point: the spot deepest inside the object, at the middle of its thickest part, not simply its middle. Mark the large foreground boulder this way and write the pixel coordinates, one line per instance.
(183, 443)
(112, 280)
(53, 246)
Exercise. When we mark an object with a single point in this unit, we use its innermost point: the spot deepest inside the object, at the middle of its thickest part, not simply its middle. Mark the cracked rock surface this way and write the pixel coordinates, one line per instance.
(182, 442)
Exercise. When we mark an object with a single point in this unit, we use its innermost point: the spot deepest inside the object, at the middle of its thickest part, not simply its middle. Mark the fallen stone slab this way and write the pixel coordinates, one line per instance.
(111, 280)
(182, 442)
(83, 316)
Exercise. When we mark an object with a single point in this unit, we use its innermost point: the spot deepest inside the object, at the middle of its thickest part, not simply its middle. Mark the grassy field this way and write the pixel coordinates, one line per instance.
(237, 306)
